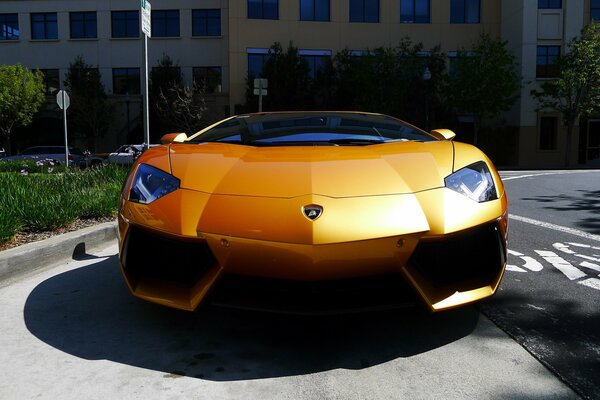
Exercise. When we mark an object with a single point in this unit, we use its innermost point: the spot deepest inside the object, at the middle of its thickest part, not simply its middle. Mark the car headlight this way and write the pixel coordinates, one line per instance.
(474, 181)
(150, 184)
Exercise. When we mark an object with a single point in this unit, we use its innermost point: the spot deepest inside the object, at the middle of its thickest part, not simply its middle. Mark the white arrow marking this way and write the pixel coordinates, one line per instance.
(514, 253)
(561, 264)
(589, 265)
(514, 268)
(532, 264)
(563, 247)
(592, 282)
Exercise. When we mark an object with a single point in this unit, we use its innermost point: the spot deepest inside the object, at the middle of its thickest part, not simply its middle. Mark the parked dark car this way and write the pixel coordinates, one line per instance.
(57, 153)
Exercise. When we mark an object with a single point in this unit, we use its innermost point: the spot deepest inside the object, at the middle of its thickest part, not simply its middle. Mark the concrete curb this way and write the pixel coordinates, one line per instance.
(32, 256)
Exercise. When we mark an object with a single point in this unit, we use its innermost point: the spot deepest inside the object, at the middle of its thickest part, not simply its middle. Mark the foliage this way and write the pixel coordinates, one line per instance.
(182, 107)
(40, 202)
(90, 112)
(484, 81)
(576, 90)
(178, 107)
(31, 166)
(21, 96)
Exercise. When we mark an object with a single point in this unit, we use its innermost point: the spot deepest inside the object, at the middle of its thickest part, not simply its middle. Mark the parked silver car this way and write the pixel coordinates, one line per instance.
(126, 154)
(57, 153)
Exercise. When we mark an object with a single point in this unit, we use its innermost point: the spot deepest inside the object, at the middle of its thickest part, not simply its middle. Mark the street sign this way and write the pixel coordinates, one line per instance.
(259, 92)
(146, 18)
(63, 100)
(261, 83)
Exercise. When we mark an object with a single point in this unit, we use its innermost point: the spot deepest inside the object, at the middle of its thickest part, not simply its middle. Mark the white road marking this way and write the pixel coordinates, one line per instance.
(587, 257)
(559, 228)
(592, 282)
(532, 264)
(590, 265)
(561, 264)
(585, 246)
(514, 268)
(546, 173)
(563, 247)
(514, 253)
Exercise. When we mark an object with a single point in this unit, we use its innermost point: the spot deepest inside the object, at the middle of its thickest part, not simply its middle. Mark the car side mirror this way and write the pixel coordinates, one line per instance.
(443, 134)
(173, 137)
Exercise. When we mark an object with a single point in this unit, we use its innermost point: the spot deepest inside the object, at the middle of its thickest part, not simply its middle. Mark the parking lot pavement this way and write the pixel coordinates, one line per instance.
(74, 331)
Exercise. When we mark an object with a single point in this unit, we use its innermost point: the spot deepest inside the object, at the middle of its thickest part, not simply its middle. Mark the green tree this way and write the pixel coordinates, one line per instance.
(90, 112)
(483, 81)
(575, 93)
(176, 107)
(21, 96)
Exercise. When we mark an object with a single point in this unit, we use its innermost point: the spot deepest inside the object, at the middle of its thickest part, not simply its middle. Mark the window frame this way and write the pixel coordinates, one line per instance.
(413, 18)
(84, 22)
(47, 23)
(314, 17)
(50, 89)
(595, 9)
(206, 22)
(198, 71)
(546, 5)
(464, 19)
(550, 70)
(7, 32)
(363, 18)
(264, 4)
(311, 57)
(127, 20)
(161, 19)
(128, 75)
(256, 52)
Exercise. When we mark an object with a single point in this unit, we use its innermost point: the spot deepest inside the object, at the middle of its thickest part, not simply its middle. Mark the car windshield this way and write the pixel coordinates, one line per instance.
(307, 129)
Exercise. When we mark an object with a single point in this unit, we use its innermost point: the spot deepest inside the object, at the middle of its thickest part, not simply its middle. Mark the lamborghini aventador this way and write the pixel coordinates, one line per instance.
(291, 209)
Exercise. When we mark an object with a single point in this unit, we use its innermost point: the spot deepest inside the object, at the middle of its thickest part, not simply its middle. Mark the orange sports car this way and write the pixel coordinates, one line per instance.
(320, 210)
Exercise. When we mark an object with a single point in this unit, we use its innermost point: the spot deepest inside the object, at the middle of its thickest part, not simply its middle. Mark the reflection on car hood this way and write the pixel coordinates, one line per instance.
(335, 171)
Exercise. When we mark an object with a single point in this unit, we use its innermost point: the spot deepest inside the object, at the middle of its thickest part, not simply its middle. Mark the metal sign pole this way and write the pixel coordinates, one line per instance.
(260, 94)
(146, 106)
(65, 124)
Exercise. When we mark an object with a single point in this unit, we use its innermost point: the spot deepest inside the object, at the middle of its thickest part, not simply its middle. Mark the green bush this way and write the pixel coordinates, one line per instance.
(30, 166)
(46, 201)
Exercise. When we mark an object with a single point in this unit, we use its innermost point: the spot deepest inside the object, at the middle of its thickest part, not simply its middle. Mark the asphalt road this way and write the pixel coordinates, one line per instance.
(549, 300)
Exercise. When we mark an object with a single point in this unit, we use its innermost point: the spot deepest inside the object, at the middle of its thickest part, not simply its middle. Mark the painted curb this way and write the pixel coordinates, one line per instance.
(47, 252)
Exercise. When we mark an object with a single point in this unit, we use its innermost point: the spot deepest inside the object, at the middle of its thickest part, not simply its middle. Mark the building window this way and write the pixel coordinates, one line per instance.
(125, 24)
(209, 78)
(256, 61)
(549, 4)
(464, 11)
(206, 22)
(165, 23)
(364, 10)
(414, 11)
(126, 80)
(546, 61)
(9, 27)
(44, 26)
(83, 25)
(548, 133)
(314, 10)
(317, 60)
(51, 80)
(263, 9)
(595, 10)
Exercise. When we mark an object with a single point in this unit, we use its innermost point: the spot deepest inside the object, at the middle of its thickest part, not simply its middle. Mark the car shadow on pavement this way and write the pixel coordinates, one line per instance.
(88, 312)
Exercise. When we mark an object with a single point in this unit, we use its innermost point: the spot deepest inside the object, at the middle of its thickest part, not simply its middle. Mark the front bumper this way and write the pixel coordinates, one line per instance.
(446, 261)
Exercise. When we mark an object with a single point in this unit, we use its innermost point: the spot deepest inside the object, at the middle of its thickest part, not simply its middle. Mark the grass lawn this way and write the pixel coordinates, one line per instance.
(42, 201)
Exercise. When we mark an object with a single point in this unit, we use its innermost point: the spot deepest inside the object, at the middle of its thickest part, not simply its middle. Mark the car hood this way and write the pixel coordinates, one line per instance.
(291, 171)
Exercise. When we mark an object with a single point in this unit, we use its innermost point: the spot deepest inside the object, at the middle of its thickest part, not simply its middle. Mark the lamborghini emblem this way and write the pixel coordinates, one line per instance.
(312, 211)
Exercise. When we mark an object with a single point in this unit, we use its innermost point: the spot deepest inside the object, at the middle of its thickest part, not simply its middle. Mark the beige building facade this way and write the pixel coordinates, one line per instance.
(222, 40)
